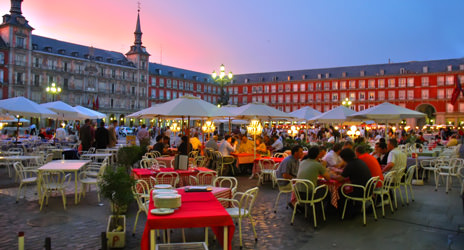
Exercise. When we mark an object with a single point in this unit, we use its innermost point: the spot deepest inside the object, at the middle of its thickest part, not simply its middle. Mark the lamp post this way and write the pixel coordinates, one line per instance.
(175, 128)
(222, 79)
(208, 128)
(347, 102)
(53, 90)
(293, 131)
(255, 128)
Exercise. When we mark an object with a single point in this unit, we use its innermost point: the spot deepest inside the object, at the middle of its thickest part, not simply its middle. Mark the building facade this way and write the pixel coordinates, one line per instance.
(119, 84)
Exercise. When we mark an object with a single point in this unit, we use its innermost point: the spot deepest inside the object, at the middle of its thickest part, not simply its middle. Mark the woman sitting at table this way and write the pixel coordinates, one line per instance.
(261, 147)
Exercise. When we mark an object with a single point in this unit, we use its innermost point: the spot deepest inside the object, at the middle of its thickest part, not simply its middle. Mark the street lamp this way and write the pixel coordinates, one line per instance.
(222, 79)
(53, 90)
(293, 131)
(347, 102)
(255, 128)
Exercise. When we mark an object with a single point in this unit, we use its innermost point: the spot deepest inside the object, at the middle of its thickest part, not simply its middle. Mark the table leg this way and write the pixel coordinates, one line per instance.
(39, 183)
(75, 187)
(206, 236)
(226, 238)
(152, 239)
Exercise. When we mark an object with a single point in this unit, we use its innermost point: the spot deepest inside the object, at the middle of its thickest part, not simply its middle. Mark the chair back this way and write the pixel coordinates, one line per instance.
(266, 164)
(91, 150)
(146, 163)
(199, 161)
(206, 177)
(54, 179)
(192, 154)
(388, 179)
(141, 193)
(370, 186)
(248, 199)
(19, 168)
(155, 154)
(280, 155)
(16, 151)
(171, 178)
(226, 181)
(49, 158)
(409, 174)
(300, 186)
(218, 159)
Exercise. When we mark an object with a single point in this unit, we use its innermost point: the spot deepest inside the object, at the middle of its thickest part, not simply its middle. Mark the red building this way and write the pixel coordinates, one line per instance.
(3, 69)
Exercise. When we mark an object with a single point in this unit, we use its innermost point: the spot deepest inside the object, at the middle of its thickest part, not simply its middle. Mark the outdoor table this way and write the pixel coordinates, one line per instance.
(66, 166)
(244, 158)
(412, 161)
(113, 151)
(14, 158)
(333, 186)
(98, 156)
(199, 209)
(184, 175)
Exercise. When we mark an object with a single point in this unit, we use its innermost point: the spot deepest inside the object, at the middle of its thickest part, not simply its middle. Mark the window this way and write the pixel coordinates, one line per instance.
(266, 99)
(326, 97)
(410, 94)
(461, 107)
(2, 58)
(327, 86)
(253, 89)
(342, 96)
(302, 87)
(334, 85)
(318, 86)
(174, 85)
(391, 95)
(353, 96)
(381, 95)
(281, 88)
(402, 82)
(334, 97)
(318, 97)
(287, 87)
(19, 78)
(266, 89)
(424, 81)
(310, 86)
(295, 98)
(371, 95)
(449, 93)
(425, 69)
(273, 99)
(161, 82)
(411, 82)
(302, 98)
(287, 98)
(168, 83)
(372, 84)
(449, 108)
(425, 94)
(133, 90)
(20, 42)
(440, 80)
(168, 94)
(295, 87)
(441, 94)
(361, 107)
(449, 67)
(362, 96)
(273, 88)
(174, 95)
(245, 90)
(281, 99)
(310, 97)
(391, 83)
(352, 84)
(401, 94)
(1, 76)
(343, 85)
(381, 83)
(362, 84)
(449, 80)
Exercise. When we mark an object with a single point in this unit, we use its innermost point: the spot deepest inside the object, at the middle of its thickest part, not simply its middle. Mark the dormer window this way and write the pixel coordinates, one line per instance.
(110, 60)
(425, 69)
(171, 73)
(382, 72)
(275, 78)
(246, 80)
(76, 54)
(450, 68)
(120, 62)
(303, 77)
(289, 78)
(87, 56)
(61, 51)
(35, 46)
(48, 49)
(461, 67)
(402, 71)
(183, 75)
(99, 58)
(327, 75)
(362, 73)
(343, 74)
(319, 76)
(195, 78)
(261, 79)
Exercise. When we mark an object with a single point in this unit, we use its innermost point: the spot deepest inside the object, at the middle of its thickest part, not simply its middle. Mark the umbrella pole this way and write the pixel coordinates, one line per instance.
(230, 126)
(17, 130)
(417, 181)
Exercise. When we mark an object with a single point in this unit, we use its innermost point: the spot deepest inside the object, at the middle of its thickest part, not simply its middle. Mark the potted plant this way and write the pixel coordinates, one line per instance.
(116, 186)
(128, 156)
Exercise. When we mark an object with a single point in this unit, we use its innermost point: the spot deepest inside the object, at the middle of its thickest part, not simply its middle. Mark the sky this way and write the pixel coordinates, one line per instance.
(251, 36)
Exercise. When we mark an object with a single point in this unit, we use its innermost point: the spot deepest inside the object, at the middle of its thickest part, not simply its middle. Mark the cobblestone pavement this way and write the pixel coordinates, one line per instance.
(432, 221)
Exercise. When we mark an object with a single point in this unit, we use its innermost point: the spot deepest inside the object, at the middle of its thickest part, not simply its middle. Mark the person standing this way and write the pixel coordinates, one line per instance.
(85, 135)
(101, 136)
(143, 136)
(113, 138)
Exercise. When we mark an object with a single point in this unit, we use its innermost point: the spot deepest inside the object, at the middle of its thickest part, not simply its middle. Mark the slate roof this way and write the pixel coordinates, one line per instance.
(412, 67)
(164, 70)
(53, 46)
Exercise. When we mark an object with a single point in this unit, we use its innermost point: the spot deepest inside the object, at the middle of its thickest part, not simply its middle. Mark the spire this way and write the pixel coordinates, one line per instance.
(138, 31)
(16, 7)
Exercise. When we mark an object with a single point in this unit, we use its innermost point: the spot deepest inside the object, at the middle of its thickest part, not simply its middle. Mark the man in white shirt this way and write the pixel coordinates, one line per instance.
(61, 134)
(226, 146)
(396, 158)
(277, 146)
(332, 158)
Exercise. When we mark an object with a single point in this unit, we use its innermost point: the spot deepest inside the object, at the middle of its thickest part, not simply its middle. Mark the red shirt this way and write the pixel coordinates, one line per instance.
(373, 166)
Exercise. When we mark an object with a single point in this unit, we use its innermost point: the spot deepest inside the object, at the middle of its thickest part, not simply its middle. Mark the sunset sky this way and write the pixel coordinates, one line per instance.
(258, 35)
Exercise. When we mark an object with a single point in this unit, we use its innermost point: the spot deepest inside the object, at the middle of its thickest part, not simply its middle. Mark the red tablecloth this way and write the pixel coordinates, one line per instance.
(184, 175)
(200, 209)
(255, 169)
(166, 160)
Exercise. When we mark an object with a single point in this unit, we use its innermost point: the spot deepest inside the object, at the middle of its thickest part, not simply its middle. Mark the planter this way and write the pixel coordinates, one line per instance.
(116, 239)
(122, 210)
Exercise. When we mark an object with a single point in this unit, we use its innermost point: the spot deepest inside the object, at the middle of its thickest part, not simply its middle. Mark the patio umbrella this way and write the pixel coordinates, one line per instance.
(232, 109)
(386, 112)
(305, 113)
(91, 114)
(21, 106)
(336, 115)
(260, 111)
(144, 113)
(65, 111)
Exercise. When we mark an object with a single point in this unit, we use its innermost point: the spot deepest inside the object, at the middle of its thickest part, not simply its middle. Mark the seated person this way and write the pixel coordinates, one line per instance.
(226, 145)
(453, 141)
(381, 153)
(246, 146)
(332, 158)
(160, 145)
(261, 147)
(310, 168)
(212, 143)
(277, 145)
(370, 161)
(196, 143)
(185, 146)
(288, 168)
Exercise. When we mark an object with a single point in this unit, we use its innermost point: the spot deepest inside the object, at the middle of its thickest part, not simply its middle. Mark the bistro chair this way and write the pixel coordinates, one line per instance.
(141, 192)
(448, 170)
(242, 206)
(54, 181)
(408, 183)
(396, 186)
(171, 178)
(226, 181)
(384, 190)
(306, 193)
(284, 185)
(86, 180)
(266, 168)
(203, 178)
(280, 155)
(26, 176)
(428, 165)
(368, 191)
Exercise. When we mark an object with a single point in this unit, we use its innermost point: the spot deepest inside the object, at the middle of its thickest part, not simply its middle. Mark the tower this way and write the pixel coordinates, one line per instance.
(139, 56)
(16, 32)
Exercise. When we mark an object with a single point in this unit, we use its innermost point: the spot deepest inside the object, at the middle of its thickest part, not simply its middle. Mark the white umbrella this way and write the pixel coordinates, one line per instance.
(65, 111)
(386, 112)
(260, 111)
(305, 113)
(91, 114)
(336, 115)
(25, 107)
(144, 113)
(13, 119)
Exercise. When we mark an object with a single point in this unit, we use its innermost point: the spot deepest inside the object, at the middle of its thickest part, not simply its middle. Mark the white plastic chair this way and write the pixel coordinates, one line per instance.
(266, 168)
(309, 191)
(141, 192)
(86, 180)
(226, 181)
(171, 178)
(284, 185)
(448, 170)
(53, 181)
(26, 176)
(385, 190)
(408, 183)
(203, 178)
(242, 208)
(368, 191)
(280, 155)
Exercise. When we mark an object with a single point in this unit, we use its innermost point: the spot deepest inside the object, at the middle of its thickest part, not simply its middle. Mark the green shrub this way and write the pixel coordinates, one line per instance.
(128, 156)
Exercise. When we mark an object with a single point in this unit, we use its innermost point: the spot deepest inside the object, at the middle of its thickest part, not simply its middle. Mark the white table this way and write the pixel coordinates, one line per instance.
(15, 158)
(66, 166)
(99, 156)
